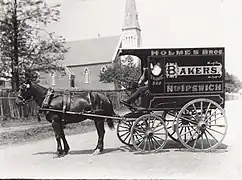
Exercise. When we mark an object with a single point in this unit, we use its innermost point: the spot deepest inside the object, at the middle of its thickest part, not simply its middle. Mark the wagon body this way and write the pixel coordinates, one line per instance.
(186, 74)
(185, 101)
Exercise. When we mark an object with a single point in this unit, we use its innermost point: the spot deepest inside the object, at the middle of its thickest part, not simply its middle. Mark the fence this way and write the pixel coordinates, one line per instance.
(9, 108)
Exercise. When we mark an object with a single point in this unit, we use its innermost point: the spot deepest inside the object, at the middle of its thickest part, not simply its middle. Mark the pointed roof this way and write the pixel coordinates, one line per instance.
(92, 51)
(131, 16)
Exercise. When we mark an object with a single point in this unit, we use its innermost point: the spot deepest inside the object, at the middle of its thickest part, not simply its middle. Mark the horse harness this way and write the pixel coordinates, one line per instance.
(66, 101)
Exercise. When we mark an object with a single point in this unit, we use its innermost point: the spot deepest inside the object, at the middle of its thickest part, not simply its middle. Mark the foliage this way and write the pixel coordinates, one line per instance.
(232, 83)
(121, 73)
(24, 44)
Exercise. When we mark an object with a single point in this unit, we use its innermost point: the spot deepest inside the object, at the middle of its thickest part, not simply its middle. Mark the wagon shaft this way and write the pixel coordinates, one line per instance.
(83, 114)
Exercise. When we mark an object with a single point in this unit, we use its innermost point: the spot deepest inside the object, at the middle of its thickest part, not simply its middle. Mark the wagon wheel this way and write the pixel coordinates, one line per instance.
(202, 125)
(170, 121)
(149, 133)
(123, 132)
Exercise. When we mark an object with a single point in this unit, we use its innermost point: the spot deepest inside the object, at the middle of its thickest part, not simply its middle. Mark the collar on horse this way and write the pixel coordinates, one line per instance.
(48, 96)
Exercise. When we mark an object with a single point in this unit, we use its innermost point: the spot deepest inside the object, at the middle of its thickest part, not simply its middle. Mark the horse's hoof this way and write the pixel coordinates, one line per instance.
(58, 156)
(64, 153)
(97, 152)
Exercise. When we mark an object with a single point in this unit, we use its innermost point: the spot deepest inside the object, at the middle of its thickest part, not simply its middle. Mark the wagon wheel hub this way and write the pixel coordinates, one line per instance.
(202, 125)
(149, 133)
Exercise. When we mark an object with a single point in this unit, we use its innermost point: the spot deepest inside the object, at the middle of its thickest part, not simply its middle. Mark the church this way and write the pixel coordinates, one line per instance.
(87, 58)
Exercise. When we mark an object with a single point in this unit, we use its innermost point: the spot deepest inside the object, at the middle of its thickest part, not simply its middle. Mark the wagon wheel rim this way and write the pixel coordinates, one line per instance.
(170, 120)
(204, 123)
(124, 132)
(149, 133)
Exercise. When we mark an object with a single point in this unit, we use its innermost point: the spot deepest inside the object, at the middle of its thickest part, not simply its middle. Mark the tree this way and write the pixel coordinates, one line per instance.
(25, 45)
(121, 73)
(232, 83)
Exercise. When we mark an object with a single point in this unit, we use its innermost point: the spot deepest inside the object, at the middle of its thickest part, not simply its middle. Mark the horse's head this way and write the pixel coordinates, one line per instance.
(25, 93)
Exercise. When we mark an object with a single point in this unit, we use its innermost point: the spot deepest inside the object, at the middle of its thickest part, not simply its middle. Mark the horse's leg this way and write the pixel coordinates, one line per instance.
(66, 145)
(57, 129)
(101, 131)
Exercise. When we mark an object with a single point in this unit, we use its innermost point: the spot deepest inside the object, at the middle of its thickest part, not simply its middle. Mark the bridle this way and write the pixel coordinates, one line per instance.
(23, 100)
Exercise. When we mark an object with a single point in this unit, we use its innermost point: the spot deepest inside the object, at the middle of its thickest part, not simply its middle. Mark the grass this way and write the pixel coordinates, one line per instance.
(40, 132)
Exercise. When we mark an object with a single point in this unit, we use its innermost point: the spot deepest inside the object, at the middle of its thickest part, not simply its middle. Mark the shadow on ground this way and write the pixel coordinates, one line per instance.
(170, 146)
(87, 151)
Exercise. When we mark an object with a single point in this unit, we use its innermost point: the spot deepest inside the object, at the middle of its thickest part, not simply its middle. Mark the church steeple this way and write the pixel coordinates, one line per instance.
(131, 16)
(131, 28)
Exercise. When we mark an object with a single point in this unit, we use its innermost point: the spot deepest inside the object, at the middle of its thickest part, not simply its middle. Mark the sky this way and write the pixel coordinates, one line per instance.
(164, 23)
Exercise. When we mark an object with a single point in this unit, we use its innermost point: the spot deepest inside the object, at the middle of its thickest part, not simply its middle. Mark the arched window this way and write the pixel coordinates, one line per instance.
(72, 80)
(86, 75)
(53, 76)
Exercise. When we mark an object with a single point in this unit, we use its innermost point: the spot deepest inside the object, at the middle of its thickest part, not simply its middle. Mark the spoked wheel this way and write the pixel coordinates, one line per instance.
(149, 133)
(201, 125)
(123, 132)
(170, 121)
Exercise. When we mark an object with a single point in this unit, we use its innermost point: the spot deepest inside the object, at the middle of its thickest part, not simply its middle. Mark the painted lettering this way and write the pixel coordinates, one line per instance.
(206, 70)
(179, 52)
(204, 51)
(196, 52)
(183, 71)
(213, 70)
(163, 53)
(190, 71)
(155, 53)
(218, 87)
(198, 70)
(194, 88)
(187, 52)
(169, 88)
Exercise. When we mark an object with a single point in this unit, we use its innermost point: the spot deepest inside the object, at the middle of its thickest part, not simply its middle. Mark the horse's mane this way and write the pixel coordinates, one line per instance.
(39, 87)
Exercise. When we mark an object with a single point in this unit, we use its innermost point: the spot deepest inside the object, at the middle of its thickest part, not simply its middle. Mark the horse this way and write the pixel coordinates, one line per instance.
(92, 102)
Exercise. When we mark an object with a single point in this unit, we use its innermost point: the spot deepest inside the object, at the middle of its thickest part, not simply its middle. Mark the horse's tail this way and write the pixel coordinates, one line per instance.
(109, 120)
(110, 123)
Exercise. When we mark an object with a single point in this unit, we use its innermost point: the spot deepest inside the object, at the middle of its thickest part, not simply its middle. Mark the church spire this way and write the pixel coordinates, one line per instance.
(131, 16)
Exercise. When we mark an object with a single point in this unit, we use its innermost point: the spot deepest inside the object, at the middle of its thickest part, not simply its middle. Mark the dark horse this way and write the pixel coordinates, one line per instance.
(92, 102)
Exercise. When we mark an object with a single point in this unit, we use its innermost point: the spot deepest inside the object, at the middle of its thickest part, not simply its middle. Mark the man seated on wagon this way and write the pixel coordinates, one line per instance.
(143, 87)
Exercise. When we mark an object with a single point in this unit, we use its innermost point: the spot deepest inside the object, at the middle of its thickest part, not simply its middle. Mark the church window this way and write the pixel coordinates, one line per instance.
(2, 83)
(72, 80)
(86, 75)
(53, 77)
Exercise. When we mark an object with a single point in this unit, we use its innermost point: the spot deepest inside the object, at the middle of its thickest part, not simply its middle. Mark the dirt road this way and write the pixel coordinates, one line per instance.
(35, 160)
